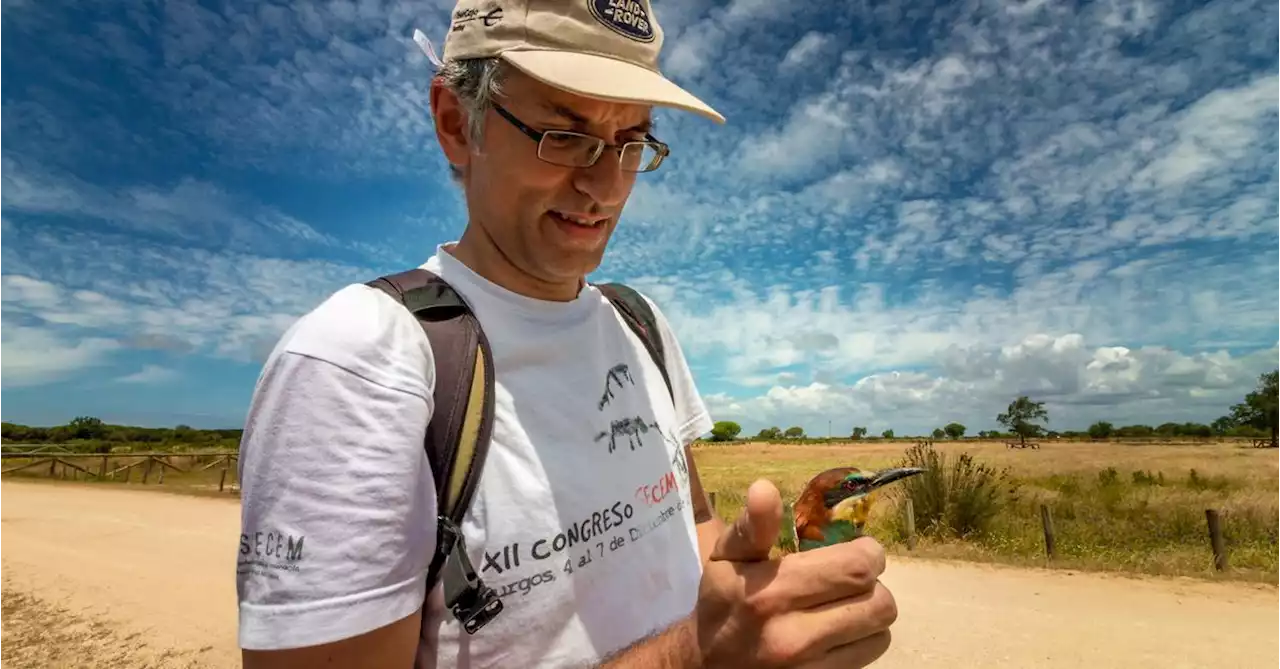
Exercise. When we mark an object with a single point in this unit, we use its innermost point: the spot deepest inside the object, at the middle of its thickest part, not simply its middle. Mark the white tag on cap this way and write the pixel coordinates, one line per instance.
(427, 48)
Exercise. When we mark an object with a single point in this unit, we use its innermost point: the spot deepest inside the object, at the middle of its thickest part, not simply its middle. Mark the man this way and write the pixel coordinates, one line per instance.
(589, 520)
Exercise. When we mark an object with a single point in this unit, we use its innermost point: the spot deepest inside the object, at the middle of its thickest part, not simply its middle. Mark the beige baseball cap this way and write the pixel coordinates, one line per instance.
(605, 49)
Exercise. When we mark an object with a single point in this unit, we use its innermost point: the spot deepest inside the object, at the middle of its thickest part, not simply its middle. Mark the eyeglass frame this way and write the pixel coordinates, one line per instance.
(660, 147)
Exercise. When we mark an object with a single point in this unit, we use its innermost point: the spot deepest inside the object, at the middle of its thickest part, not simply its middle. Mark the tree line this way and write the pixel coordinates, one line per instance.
(92, 434)
(1254, 417)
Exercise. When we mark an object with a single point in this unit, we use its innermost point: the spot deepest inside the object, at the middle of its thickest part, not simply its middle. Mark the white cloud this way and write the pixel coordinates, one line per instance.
(35, 355)
(187, 211)
(1079, 385)
(1214, 136)
(805, 50)
(151, 375)
(756, 329)
(1037, 195)
(241, 85)
(1033, 131)
(226, 305)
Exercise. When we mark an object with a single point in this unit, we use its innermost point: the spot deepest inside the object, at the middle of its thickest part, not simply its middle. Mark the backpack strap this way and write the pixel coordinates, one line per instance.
(639, 315)
(457, 437)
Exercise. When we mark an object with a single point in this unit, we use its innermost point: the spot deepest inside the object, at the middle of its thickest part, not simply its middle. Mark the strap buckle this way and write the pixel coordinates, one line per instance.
(473, 603)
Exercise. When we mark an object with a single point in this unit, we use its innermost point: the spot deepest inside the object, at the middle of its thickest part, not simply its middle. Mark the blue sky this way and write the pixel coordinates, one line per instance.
(913, 214)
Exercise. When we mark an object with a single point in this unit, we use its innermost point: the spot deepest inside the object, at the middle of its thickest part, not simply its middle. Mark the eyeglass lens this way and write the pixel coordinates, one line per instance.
(574, 150)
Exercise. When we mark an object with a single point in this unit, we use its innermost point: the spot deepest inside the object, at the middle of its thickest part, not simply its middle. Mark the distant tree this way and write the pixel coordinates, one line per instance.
(954, 430)
(1222, 425)
(86, 427)
(887, 434)
(1195, 430)
(17, 433)
(1021, 417)
(794, 432)
(1135, 431)
(1101, 430)
(1258, 410)
(770, 434)
(725, 430)
(859, 432)
(938, 433)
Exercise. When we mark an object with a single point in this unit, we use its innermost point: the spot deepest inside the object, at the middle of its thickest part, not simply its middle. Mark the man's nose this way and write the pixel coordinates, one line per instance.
(605, 182)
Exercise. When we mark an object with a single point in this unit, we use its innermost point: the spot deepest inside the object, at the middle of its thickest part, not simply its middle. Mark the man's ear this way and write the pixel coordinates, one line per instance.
(451, 125)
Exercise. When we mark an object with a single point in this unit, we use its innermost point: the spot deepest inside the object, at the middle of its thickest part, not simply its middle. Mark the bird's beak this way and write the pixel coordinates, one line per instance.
(888, 476)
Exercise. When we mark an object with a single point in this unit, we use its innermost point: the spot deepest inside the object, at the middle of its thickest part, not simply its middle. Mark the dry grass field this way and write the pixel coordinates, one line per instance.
(1116, 506)
(147, 581)
(1121, 507)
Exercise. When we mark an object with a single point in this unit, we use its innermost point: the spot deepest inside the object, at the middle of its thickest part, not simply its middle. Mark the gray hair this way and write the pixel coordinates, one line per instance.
(476, 82)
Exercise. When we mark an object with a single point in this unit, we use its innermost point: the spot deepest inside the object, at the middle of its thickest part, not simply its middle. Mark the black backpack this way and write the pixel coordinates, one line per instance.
(458, 435)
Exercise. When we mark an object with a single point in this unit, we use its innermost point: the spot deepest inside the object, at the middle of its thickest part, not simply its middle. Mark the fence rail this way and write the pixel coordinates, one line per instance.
(1213, 519)
(121, 466)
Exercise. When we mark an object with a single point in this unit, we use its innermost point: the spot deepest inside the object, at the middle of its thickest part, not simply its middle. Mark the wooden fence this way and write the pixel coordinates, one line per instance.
(65, 465)
(1213, 520)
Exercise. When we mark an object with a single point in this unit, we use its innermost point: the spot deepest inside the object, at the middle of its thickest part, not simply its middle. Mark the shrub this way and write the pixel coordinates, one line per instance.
(956, 499)
(1147, 478)
(1217, 483)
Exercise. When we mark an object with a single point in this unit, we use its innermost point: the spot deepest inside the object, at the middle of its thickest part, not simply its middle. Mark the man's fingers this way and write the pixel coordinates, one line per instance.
(843, 622)
(828, 574)
(855, 655)
(755, 532)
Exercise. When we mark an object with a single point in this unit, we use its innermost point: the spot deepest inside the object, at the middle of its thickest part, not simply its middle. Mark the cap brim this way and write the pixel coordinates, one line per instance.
(606, 78)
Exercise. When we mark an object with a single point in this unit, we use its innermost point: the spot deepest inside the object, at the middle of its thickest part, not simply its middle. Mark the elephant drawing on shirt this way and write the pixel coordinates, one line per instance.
(633, 428)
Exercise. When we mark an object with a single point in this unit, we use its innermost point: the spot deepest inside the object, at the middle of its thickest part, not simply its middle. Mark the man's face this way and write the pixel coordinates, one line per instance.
(521, 202)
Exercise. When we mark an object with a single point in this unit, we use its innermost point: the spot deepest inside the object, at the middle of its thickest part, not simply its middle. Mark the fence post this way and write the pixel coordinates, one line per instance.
(222, 481)
(712, 496)
(1047, 521)
(1215, 539)
(911, 525)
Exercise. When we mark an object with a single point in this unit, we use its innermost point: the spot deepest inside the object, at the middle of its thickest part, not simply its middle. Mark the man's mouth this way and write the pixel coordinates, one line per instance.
(578, 219)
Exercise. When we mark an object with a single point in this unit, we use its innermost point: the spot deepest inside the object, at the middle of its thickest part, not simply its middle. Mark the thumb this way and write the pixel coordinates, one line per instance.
(754, 533)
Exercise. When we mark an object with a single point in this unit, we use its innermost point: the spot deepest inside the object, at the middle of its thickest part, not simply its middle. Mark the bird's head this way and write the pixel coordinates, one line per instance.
(847, 492)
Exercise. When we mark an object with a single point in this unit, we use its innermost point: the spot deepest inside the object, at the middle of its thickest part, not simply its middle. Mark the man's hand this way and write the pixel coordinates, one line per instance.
(821, 608)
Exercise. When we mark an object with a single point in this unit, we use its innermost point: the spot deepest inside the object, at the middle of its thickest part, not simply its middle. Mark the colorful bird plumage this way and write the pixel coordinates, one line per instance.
(834, 505)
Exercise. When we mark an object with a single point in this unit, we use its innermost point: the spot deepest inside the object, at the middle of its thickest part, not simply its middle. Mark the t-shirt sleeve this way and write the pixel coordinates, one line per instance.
(691, 411)
(337, 497)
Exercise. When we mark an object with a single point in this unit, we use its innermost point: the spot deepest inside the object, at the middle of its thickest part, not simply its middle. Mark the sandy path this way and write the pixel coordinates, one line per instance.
(139, 560)
(135, 561)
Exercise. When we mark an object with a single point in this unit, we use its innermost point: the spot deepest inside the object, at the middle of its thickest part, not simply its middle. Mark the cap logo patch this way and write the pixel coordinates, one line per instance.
(629, 18)
(463, 17)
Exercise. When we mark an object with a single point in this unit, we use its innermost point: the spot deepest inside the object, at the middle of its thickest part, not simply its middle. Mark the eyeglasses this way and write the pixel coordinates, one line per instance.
(574, 149)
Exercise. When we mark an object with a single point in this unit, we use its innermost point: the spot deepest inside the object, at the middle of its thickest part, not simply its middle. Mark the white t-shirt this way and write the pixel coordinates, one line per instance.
(582, 520)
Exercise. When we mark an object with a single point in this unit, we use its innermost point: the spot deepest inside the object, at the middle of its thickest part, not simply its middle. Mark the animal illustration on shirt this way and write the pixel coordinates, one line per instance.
(633, 428)
(615, 375)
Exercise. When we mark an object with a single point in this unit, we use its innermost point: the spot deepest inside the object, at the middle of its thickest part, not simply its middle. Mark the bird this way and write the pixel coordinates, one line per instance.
(833, 507)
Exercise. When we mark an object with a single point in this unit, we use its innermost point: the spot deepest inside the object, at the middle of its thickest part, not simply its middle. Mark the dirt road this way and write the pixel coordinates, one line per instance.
(108, 573)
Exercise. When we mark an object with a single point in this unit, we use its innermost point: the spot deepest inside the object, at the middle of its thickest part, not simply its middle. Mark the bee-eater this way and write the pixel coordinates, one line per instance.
(834, 505)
